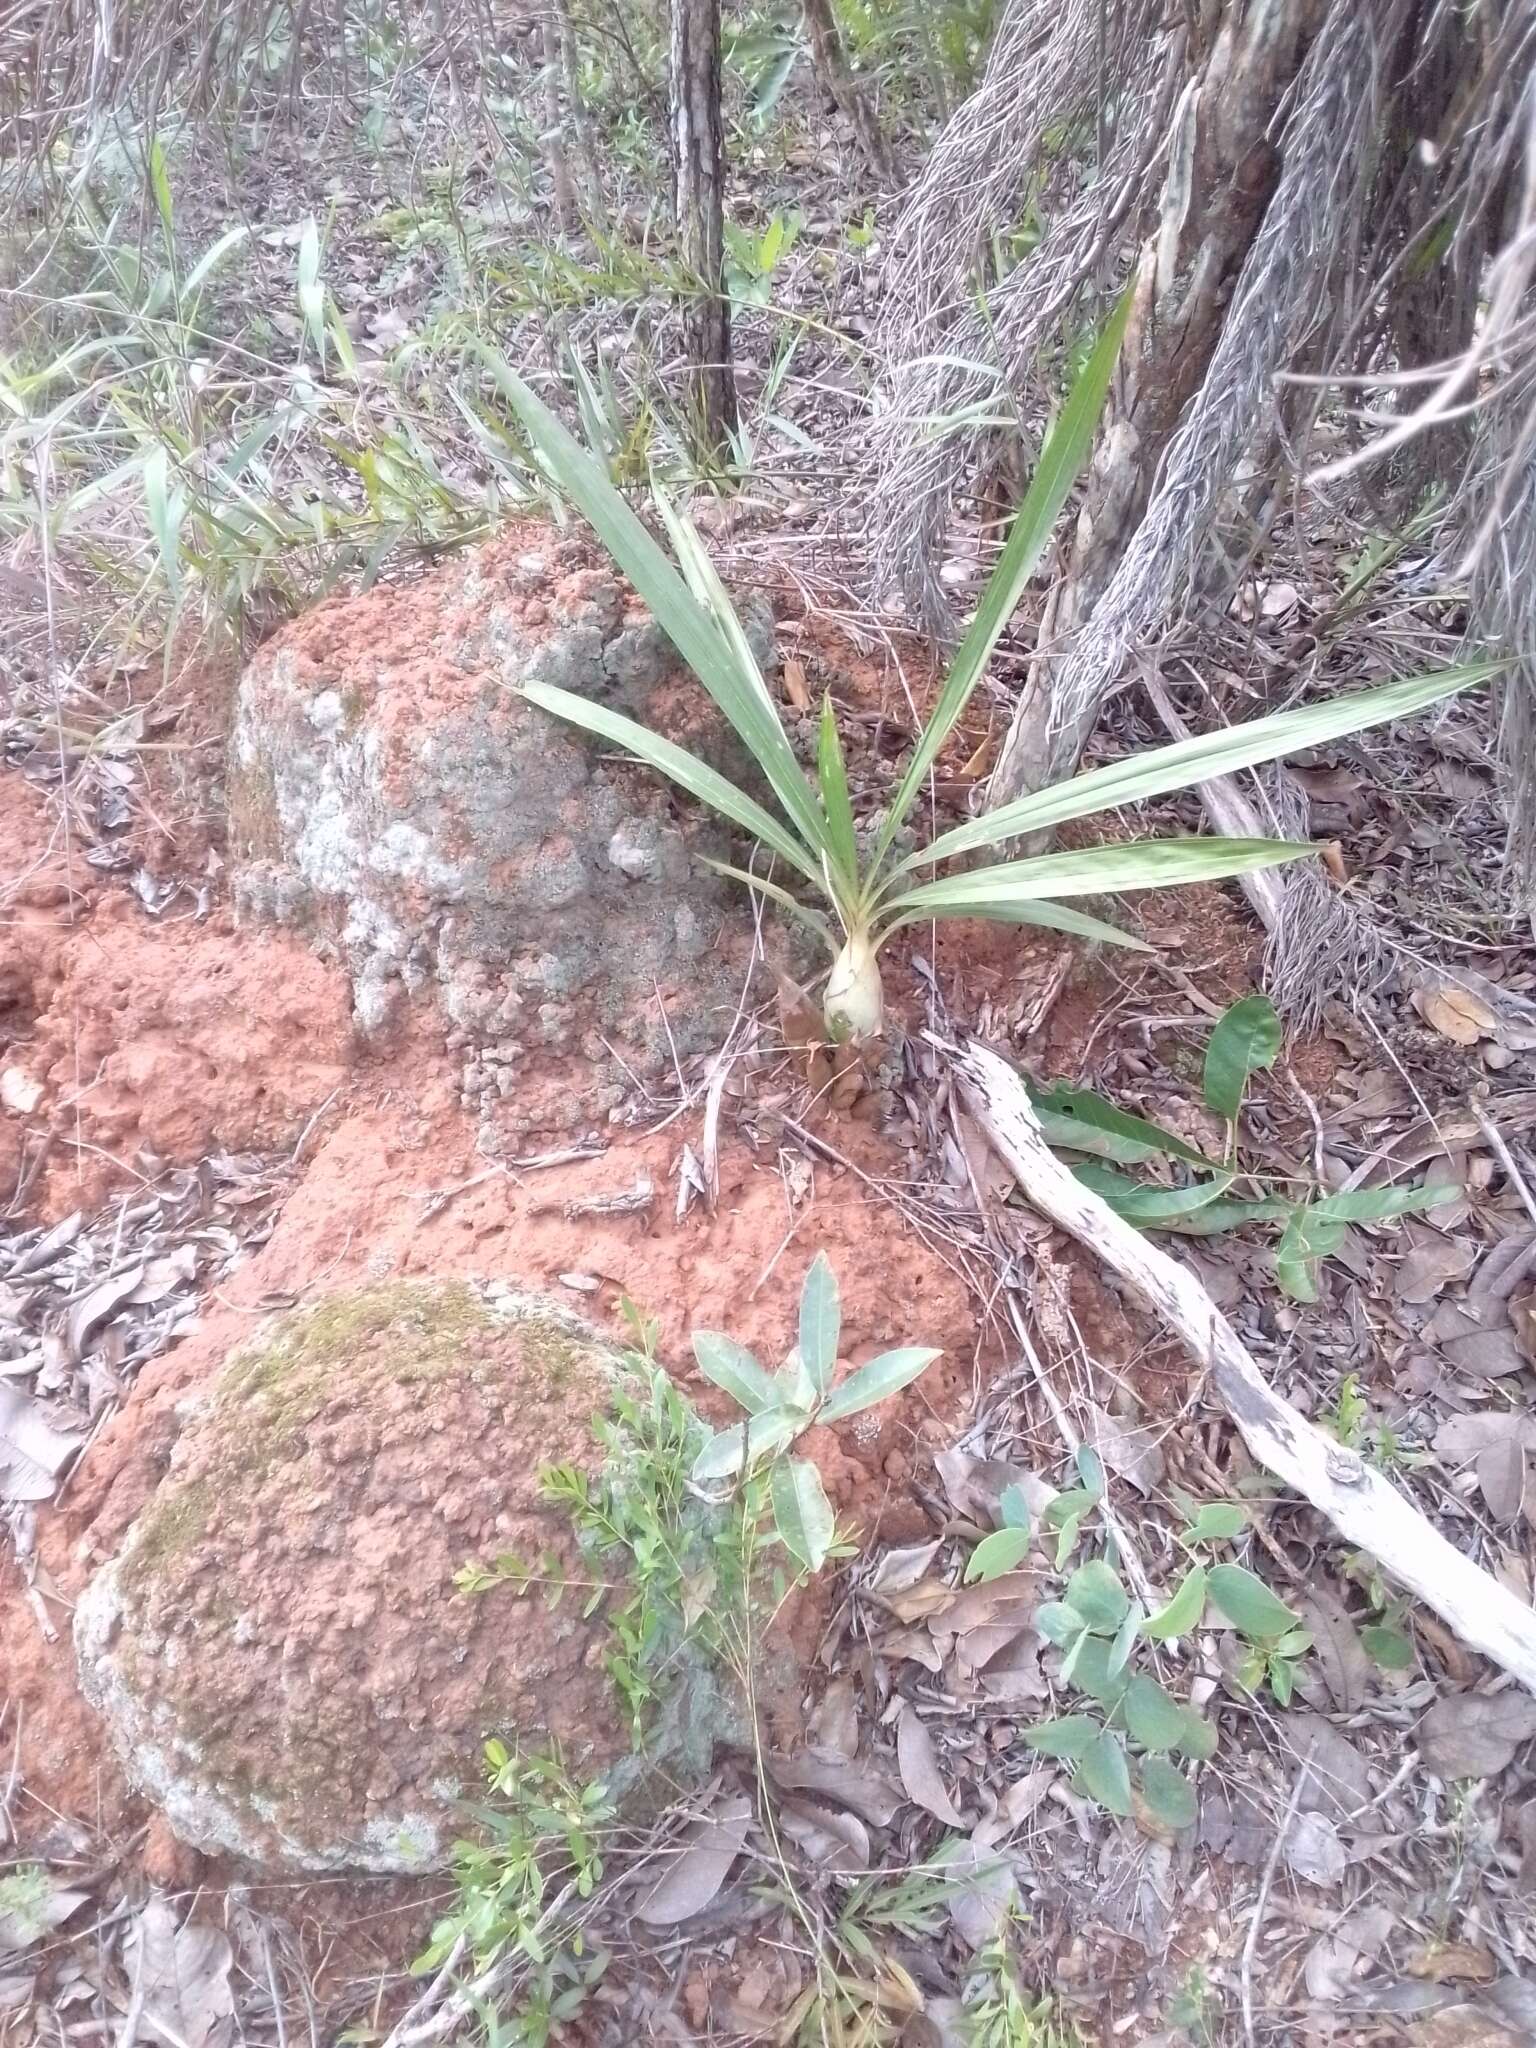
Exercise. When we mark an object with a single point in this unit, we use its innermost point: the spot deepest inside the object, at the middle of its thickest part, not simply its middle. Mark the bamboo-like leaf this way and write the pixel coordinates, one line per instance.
(1054, 917)
(1062, 457)
(1092, 870)
(1141, 1139)
(832, 776)
(877, 1381)
(820, 1322)
(731, 1367)
(679, 766)
(802, 1514)
(686, 622)
(1185, 763)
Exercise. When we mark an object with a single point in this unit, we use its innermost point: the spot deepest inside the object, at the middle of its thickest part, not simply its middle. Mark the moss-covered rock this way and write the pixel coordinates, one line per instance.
(279, 1650)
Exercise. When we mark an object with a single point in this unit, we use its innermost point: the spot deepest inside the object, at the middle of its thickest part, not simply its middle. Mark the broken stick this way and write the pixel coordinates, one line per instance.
(1359, 1502)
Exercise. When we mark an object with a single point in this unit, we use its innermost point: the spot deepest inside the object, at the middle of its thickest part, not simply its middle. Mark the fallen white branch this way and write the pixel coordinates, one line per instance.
(1359, 1502)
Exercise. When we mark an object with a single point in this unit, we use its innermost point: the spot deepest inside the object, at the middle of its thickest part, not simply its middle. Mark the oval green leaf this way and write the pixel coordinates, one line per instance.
(1072, 1735)
(1094, 1591)
(1104, 1773)
(1247, 1037)
(996, 1554)
(1183, 1611)
(1249, 1604)
(1169, 1795)
(1152, 1717)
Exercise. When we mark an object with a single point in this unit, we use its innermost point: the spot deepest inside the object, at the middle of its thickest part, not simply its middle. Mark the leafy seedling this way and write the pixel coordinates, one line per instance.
(868, 884)
(1106, 1141)
(780, 1407)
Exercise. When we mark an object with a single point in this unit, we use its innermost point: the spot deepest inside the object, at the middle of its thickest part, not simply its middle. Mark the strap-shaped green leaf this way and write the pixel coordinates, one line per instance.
(1095, 870)
(679, 766)
(1062, 457)
(1185, 763)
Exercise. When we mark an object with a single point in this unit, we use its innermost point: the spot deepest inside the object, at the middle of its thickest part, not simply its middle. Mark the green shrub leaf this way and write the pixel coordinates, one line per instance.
(1094, 1591)
(1152, 1716)
(1169, 1795)
(1183, 1611)
(1247, 1037)
(1104, 1774)
(995, 1554)
(1072, 1735)
(802, 1514)
(1218, 1521)
(1248, 1603)
(1013, 1506)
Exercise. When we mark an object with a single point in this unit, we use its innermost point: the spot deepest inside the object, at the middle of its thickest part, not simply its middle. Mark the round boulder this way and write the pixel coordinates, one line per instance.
(279, 1650)
(393, 792)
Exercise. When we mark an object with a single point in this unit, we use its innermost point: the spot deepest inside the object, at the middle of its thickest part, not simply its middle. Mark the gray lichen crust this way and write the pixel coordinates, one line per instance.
(393, 792)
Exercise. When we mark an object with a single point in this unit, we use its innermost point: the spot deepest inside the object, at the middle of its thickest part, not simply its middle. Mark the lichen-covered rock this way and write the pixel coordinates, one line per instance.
(279, 1650)
(393, 792)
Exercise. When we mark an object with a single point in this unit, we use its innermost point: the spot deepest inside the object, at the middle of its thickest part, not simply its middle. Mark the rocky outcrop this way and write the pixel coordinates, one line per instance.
(393, 793)
(279, 1650)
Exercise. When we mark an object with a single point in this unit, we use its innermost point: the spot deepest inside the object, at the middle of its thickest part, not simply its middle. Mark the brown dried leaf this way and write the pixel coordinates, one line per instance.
(1313, 1850)
(1475, 1735)
(1522, 1316)
(976, 1485)
(1434, 1263)
(1451, 1962)
(97, 1305)
(1502, 1474)
(865, 1792)
(1346, 1670)
(1336, 1781)
(900, 1570)
(32, 1451)
(181, 1974)
(835, 1724)
(834, 1840)
(692, 1874)
(1455, 1013)
(919, 1767)
(796, 689)
(800, 1019)
(1132, 1450)
(1481, 1347)
(913, 1645)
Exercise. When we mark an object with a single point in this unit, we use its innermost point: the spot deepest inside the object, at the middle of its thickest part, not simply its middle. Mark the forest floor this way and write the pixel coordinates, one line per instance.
(192, 1134)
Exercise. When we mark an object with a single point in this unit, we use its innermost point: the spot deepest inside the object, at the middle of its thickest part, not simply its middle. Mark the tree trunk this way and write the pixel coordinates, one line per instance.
(1224, 173)
(837, 81)
(698, 201)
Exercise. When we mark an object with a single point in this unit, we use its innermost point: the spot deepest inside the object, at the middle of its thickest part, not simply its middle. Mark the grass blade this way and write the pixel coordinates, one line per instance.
(1187, 762)
(1095, 870)
(1062, 457)
(1055, 917)
(679, 766)
(686, 622)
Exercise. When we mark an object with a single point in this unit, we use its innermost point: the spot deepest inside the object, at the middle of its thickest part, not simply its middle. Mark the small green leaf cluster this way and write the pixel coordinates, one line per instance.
(781, 1406)
(541, 1849)
(1105, 1140)
(1123, 1741)
(1001, 2015)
